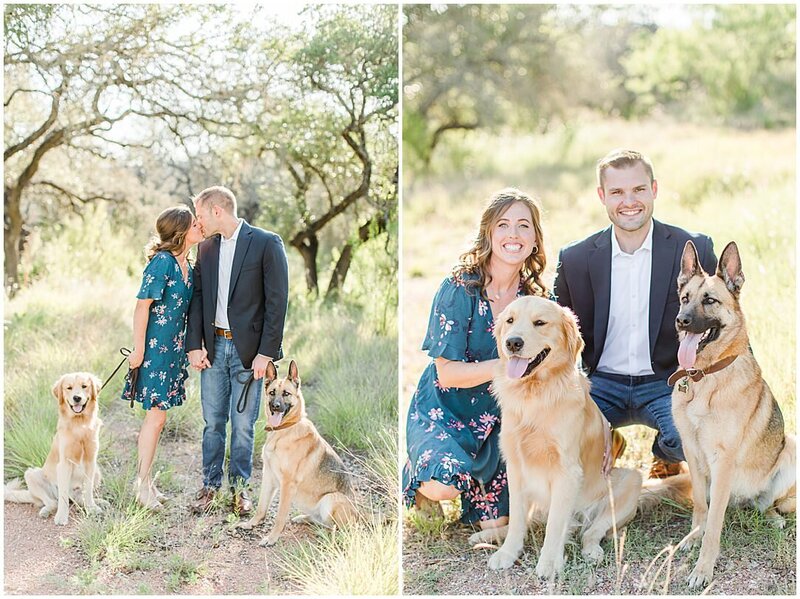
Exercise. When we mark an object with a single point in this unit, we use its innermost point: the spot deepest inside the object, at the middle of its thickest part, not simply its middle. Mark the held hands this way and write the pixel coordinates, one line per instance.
(260, 366)
(136, 357)
(198, 359)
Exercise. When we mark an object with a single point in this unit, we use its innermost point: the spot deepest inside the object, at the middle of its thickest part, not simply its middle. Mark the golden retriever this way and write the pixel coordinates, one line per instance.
(298, 462)
(552, 439)
(70, 471)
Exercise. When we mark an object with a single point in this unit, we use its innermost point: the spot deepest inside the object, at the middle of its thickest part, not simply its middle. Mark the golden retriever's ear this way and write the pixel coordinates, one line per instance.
(573, 334)
(56, 390)
(95, 382)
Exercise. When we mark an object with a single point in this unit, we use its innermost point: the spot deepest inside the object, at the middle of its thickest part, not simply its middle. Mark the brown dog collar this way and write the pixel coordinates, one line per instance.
(280, 427)
(696, 373)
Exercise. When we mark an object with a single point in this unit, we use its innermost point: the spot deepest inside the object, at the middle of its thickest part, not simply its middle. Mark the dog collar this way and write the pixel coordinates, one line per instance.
(280, 427)
(696, 373)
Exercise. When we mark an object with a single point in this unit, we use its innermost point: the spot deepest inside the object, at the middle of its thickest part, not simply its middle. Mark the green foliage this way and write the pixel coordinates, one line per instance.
(182, 571)
(735, 64)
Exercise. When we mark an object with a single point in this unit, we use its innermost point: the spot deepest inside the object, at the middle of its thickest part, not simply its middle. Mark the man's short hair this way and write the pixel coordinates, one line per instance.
(217, 196)
(623, 159)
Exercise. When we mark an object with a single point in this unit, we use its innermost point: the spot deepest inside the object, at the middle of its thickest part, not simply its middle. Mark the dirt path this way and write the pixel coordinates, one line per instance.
(188, 554)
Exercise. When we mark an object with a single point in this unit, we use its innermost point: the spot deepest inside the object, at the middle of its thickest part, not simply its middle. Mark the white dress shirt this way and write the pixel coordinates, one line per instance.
(227, 248)
(627, 346)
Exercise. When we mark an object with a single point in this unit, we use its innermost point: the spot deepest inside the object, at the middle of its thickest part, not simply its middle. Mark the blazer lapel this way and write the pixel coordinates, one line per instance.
(242, 243)
(213, 270)
(662, 279)
(600, 277)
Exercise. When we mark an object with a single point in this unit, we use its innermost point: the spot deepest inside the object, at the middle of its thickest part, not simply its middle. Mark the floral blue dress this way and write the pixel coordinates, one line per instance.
(452, 434)
(163, 372)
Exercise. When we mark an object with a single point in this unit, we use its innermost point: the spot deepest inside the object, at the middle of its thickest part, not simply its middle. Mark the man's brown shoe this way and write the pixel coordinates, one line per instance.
(242, 504)
(204, 500)
(662, 469)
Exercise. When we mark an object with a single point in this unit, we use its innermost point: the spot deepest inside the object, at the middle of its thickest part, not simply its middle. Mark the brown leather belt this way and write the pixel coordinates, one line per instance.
(223, 333)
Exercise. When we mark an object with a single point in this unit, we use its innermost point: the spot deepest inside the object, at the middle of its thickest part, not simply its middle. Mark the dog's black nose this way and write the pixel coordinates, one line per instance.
(276, 404)
(683, 320)
(76, 398)
(514, 343)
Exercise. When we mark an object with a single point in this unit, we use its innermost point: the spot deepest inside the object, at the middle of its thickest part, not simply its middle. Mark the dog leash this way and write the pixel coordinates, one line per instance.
(241, 403)
(133, 373)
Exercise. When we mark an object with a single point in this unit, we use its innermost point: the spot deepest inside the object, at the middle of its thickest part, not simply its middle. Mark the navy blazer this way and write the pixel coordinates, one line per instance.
(583, 284)
(257, 298)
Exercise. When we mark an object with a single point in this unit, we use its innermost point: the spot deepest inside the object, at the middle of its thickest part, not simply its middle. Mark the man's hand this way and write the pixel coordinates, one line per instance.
(260, 366)
(608, 459)
(198, 359)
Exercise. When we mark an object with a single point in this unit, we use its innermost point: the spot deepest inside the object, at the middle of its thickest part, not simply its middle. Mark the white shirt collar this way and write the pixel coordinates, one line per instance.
(646, 245)
(235, 235)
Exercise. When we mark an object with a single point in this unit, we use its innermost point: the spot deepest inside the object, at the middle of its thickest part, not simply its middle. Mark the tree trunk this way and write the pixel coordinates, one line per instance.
(12, 230)
(308, 245)
(372, 228)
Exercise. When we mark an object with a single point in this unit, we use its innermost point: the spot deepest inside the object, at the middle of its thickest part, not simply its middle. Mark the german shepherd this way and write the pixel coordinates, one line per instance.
(299, 463)
(729, 422)
(70, 471)
(552, 439)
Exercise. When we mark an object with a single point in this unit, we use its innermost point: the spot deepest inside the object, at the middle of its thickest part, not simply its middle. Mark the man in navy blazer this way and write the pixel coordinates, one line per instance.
(235, 326)
(621, 284)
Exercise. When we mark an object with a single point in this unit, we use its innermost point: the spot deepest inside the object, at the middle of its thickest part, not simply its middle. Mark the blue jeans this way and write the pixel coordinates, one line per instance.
(219, 393)
(625, 400)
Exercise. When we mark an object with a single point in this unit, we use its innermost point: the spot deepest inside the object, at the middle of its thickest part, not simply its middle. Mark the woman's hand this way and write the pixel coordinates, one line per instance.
(136, 357)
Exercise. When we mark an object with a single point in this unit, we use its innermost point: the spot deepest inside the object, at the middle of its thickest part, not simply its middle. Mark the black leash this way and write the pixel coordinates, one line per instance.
(241, 404)
(133, 373)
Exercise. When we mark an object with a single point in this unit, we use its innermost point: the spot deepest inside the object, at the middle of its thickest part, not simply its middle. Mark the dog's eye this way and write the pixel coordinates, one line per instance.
(69, 387)
(685, 299)
(539, 323)
(286, 394)
(83, 386)
(272, 391)
(708, 301)
(510, 320)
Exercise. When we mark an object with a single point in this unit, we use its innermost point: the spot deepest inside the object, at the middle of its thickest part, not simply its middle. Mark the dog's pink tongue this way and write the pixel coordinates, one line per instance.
(516, 367)
(687, 351)
(275, 419)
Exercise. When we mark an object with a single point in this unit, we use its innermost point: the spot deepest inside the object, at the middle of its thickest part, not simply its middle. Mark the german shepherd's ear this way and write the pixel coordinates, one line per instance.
(293, 375)
(95, 382)
(729, 268)
(569, 323)
(56, 390)
(690, 264)
(272, 372)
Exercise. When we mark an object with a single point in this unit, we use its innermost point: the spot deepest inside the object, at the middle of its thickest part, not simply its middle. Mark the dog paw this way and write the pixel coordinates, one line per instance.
(268, 541)
(246, 525)
(45, 512)
(548, 567)
(94, 509)
(501, 560)
(700, 576)
(61, 518)
(593, 554)
(484, 536)
(777, 521)
(102, 503)
(302, 519)
(690, 541)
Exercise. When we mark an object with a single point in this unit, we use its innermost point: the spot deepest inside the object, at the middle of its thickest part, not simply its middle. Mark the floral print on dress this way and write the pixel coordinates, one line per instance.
(450, 430)
(162, 375)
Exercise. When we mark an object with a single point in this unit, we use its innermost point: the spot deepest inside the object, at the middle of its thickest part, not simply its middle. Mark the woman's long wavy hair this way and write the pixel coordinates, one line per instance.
(476, 260)
(172, 225)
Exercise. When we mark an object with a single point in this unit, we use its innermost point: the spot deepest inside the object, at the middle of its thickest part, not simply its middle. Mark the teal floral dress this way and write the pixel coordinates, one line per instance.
(163, 372)
(453, 434)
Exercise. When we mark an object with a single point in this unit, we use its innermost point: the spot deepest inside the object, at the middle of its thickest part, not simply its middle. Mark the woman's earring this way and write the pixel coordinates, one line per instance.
(534, 250)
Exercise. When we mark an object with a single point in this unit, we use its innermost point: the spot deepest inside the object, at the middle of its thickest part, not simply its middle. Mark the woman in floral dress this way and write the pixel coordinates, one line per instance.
(159, 329)
(453, 421)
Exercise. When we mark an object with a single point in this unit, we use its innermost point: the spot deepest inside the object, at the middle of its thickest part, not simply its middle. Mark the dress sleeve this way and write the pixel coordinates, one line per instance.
(155, 277)
(449, 322)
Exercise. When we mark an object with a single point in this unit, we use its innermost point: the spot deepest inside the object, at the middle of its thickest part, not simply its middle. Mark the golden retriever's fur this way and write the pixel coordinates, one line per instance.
(70, 471)
(552, 439)
(729, 422)
(298, 462)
